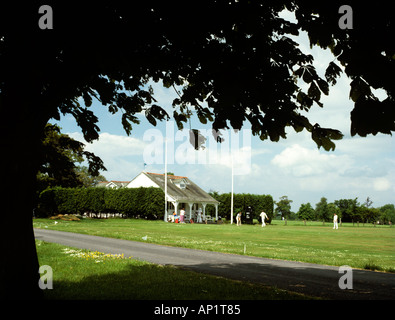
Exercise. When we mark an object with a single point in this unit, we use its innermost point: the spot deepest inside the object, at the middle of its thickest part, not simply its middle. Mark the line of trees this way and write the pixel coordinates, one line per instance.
(149, 203)
(349, 210)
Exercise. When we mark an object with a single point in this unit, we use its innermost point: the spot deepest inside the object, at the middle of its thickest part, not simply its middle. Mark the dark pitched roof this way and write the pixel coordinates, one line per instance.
(191, 192)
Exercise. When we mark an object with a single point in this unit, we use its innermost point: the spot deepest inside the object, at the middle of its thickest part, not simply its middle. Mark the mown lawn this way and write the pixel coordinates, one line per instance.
(81, 274)
(364, 247)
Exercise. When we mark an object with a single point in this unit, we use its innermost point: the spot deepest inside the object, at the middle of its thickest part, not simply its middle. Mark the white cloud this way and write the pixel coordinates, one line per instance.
(381, 184)
(368, 147)
(303, 162)
(305, 174)
(122, 155)
(240, 159)
(112, 145)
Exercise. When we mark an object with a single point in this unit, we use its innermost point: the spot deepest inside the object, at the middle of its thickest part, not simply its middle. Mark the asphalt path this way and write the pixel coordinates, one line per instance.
(307, 278)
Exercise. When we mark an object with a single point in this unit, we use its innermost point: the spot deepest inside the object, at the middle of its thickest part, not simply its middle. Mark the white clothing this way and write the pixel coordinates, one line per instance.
(335, 226)
(199, 216)
(238, 218)
(263, 216)
(182, 213)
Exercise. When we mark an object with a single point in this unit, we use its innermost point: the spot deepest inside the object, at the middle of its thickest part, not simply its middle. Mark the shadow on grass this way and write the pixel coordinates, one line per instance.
(212, 281)
(157, 282)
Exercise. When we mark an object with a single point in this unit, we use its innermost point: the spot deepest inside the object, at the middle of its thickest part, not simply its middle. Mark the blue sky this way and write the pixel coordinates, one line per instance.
(295, 167)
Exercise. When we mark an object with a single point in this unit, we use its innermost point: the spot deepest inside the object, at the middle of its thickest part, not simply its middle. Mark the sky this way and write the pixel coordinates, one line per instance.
(294, 167)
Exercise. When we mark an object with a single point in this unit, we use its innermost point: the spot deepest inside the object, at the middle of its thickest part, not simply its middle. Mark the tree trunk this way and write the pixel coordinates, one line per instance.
(19, 263)
(22, 121)
(19, 268)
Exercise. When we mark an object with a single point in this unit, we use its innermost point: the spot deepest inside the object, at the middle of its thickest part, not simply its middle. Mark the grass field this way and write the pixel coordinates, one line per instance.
(81, 274)
(364, 247)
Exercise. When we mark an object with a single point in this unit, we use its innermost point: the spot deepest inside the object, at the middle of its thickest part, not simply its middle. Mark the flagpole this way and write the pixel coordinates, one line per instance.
(231, 199)
(165, 217)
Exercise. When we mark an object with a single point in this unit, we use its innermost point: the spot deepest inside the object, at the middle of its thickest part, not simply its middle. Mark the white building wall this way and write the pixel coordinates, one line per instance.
(141, 181)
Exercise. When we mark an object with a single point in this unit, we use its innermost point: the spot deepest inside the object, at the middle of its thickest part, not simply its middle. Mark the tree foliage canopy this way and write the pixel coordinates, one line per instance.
(283, 207)
(237, 56)
(60, 153)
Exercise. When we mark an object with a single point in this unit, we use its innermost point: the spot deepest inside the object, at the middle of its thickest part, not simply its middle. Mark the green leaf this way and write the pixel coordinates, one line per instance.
(150, 118)
(332, 72)
(126, 124)
(112, 108)
(167, 82)
(158, 112)
(323, 137)
(313, 92)
(299, 72)
(179, 118)
(323, 86)
(87, 99)
(359, 88)
(309, 74)
(304, 100)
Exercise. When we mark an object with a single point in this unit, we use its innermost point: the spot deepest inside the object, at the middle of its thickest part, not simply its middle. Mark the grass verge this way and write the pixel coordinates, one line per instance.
(81, 274)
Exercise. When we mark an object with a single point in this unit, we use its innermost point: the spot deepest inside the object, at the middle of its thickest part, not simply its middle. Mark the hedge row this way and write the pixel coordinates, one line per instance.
(146, 202)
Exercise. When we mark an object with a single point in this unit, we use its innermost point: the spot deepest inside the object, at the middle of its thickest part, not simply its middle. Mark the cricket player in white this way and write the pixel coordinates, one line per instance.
(263, 216)
(335, 226)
